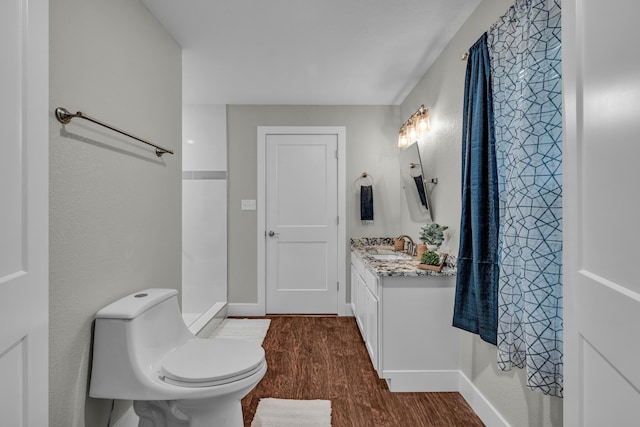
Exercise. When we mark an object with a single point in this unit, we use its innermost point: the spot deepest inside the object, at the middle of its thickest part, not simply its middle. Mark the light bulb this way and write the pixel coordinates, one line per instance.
(412, 133)
(402, 139)
(423, 124)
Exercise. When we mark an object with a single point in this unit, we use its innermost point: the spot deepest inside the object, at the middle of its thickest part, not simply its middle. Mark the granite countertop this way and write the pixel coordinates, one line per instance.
(366, 246)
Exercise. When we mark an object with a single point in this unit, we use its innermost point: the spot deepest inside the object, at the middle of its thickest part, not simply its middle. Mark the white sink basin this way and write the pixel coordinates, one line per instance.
(390, 257)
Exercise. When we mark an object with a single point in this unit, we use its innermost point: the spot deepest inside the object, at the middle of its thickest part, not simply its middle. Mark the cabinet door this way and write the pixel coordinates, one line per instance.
(362, 307)
(372, 282)
(357, 299)
(354, 291)
(371, 339)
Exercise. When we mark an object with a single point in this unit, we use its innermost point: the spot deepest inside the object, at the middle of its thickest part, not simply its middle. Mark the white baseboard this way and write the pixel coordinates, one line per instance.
(422, 381)
(442, 381)
(245, 309)
(215, 314)
(249, 309)
(480, 404)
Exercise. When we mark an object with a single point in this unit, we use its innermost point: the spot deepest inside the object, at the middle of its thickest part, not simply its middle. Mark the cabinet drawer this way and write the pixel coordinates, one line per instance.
(358, 264)
(372, 282)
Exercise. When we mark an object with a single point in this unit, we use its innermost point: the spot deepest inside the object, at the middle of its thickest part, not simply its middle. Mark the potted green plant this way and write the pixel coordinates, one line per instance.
(432, 235)
(430, 258)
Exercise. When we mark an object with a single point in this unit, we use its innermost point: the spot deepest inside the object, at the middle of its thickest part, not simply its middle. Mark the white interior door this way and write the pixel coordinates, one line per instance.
(301, 223)
(24, 187)
(601, 74)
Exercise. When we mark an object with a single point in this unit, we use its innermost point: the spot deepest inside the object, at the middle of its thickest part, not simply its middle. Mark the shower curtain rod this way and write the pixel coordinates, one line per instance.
(64, 116)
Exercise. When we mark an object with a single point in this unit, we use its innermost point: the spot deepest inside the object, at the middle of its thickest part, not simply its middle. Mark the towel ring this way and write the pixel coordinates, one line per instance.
(365, 179)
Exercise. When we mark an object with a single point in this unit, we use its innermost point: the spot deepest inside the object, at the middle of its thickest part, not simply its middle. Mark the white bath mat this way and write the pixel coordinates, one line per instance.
(252, 330)
(292, 413)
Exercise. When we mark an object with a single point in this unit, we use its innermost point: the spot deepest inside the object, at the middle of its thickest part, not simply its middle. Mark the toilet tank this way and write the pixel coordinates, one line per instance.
(131, 335)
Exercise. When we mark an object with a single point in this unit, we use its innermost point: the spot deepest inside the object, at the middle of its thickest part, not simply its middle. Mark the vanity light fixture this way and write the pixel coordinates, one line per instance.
(416, 126)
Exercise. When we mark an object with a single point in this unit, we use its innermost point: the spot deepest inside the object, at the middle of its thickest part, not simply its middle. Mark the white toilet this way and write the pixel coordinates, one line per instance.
(143, 351)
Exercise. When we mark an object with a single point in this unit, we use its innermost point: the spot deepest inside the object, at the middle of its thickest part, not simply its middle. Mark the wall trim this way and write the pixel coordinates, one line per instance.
(209, 319)
(246, 309)
(254, 309)
(480, 404)
(421, 381)
(340, 132)
(446, 381)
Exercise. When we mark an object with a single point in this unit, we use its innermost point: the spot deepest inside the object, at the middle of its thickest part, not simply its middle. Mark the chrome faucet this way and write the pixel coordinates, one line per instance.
(411, 247)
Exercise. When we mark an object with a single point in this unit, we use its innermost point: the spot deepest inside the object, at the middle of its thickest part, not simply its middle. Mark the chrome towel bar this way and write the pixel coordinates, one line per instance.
(64, 116)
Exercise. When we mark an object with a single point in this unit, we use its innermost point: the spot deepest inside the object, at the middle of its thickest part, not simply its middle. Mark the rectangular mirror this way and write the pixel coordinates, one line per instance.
(413, 182)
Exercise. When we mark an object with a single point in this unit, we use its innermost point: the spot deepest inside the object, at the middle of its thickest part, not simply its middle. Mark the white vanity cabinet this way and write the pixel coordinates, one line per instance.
(405, 322)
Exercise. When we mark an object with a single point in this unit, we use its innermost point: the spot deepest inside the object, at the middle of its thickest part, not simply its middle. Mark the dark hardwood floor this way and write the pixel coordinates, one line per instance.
(323, 357)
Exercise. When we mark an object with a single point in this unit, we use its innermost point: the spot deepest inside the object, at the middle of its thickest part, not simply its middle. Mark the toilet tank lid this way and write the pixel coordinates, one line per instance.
(133, 305)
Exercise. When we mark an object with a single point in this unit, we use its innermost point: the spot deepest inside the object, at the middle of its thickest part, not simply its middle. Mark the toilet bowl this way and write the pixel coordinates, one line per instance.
(143, 351)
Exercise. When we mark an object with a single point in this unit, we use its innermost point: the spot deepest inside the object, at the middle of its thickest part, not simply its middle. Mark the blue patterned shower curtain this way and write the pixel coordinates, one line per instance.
(525, 51)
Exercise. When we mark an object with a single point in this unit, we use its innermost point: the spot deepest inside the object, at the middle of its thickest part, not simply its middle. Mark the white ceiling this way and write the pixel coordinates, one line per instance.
(307, 52)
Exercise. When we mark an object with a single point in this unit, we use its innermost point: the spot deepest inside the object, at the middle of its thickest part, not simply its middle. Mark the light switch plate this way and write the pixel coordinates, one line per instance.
(248, 205)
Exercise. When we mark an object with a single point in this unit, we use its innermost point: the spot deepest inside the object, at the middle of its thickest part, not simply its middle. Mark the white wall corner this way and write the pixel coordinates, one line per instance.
(349, 310)
(480, 404)
(401, 381)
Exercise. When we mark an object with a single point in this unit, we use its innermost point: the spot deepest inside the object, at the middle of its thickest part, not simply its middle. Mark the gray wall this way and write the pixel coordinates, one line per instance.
(371, 146)
(442, 89)
(115, 218)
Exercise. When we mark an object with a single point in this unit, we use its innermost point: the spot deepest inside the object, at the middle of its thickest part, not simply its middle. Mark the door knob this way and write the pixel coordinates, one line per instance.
(273, 233)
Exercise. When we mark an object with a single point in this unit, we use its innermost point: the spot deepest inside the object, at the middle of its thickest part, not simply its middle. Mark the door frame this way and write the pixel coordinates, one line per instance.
(24, 281)
(340, 132)
(599, 313)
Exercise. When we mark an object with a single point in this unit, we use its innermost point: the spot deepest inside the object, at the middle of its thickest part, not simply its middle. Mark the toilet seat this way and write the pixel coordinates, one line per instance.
(211, 362)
